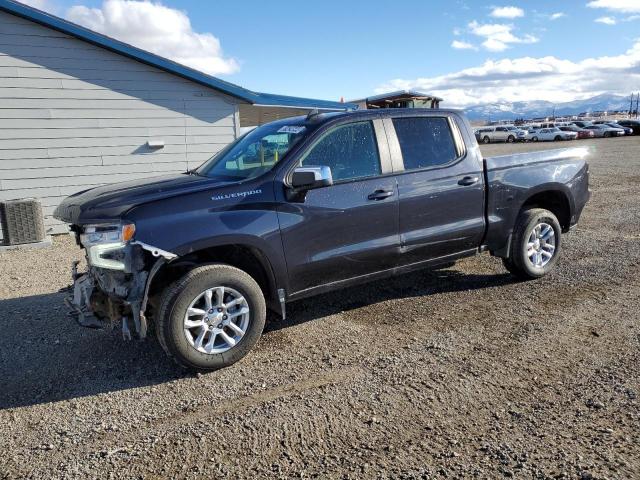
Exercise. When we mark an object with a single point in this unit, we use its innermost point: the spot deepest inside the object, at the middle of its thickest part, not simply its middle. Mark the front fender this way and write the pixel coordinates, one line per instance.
(199, 221)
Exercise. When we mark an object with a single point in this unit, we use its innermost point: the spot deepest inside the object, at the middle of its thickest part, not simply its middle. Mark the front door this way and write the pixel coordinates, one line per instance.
(350, 228)
(441, 191)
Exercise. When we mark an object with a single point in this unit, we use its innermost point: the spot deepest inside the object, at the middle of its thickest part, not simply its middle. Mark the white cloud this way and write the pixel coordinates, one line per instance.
(529, 78)
(158, 29)
(459, 45)
(39, 4)
(606, 20)
(622, 6)
(556, 16)
(507, 12)
(498, 36)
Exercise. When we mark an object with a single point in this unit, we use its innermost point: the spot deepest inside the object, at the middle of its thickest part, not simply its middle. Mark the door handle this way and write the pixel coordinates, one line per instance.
(380, 194)
(468, 181)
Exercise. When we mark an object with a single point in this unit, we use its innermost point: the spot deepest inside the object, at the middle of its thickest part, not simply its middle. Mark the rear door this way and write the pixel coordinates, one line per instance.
(441, 190)
(350, 228)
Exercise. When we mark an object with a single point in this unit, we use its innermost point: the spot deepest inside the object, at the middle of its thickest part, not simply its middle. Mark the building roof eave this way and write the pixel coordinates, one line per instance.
(121, 48)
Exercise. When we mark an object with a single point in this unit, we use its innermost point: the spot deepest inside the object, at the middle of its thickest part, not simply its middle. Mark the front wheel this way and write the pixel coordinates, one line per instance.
(534, 139)
(511, 139)
(486, 140)
(211, 317)
(535, 246)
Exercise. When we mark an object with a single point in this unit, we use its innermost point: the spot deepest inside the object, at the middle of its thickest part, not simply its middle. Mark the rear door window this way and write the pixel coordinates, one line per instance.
(425, 141)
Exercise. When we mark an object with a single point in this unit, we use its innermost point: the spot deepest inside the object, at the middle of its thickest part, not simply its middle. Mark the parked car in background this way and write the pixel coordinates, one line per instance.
(478, 133)
(582, 133)
(509, 134)
(554, 124)
(531, 132)
(521, 134)
(634, 125)
(552, 135)
(605, 131)
(582, 123)
(627, 130)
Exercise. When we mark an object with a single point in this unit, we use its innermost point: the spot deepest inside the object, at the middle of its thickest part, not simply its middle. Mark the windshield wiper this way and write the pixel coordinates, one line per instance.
(193, 172)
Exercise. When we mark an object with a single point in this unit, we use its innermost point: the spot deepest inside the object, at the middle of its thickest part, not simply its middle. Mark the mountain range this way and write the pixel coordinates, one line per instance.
(542, 108)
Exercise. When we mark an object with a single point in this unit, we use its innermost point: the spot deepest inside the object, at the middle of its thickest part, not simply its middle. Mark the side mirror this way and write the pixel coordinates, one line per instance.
(307, 178)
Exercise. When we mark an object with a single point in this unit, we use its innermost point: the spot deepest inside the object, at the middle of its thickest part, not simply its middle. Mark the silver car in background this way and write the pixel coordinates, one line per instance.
(508, 134)
(605, 131)
(521, 133)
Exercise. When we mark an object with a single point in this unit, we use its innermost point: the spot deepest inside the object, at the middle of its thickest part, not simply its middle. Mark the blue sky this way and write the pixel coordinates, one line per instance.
(549, 50)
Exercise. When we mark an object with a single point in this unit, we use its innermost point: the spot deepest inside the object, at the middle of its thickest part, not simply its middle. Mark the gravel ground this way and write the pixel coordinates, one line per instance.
(459, 373)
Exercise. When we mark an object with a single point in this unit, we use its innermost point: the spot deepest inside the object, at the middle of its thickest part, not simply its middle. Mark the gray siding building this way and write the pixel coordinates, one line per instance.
(78, 109)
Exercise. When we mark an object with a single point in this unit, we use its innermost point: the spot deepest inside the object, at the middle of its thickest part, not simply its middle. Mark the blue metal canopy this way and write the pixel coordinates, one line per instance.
(254, 98)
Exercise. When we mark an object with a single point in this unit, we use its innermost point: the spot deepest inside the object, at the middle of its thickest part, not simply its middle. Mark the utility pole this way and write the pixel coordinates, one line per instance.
(637, 101)
(631, 106)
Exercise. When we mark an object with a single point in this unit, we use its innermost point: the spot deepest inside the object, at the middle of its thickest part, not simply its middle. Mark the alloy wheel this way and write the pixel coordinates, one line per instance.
(541, 245)
(216, 320)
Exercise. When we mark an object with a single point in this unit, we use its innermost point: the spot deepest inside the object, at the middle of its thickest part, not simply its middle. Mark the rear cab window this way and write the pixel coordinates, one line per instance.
(425, 142)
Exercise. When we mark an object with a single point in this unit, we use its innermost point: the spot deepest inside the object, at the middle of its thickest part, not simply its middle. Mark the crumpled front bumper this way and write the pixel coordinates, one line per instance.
(103, 298)
(80, 301)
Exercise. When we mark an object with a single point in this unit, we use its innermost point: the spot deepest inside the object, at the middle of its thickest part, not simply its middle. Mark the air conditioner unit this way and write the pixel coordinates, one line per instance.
(22, 221)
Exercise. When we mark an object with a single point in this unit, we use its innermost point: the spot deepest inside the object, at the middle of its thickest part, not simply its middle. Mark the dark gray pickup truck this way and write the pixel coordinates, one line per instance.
(306, 205)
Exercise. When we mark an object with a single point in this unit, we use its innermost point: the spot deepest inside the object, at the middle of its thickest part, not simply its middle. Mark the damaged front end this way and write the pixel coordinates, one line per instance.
(115, 289)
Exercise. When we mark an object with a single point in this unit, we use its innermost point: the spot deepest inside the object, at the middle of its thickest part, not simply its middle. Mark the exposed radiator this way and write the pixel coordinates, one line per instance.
(22, 221)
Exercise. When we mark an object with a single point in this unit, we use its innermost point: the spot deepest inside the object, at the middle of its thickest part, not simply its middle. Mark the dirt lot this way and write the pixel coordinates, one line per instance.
(458, 373)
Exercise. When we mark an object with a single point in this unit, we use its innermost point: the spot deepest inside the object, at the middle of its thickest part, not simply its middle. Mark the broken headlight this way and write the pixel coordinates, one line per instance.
(105, 244)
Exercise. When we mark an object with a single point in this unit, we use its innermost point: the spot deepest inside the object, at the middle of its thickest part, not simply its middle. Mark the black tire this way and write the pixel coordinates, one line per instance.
(534, 139)
(606, 135)
(177, 298)
(486, 140)
(508, 265)
(557, 138)
(511, 139)
(518, 262)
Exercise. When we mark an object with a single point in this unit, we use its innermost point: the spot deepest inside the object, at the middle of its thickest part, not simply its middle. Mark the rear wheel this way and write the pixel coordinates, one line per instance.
(535, 244)
(606, 135)
(534, 139)
(511, 139)
(486, 140)
(211, 317)
(557, 138)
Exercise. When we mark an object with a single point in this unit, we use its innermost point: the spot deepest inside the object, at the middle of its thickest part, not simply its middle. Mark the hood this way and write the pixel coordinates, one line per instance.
(110, 202)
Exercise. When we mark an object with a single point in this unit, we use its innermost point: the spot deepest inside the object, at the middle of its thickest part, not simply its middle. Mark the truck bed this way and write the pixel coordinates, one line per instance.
(513, 181)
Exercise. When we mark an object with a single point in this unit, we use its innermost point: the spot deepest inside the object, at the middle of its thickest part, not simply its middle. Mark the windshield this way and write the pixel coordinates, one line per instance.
(254, 153)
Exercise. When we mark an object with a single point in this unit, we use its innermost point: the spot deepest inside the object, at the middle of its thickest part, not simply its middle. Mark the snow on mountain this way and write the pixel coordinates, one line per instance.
(541, 108)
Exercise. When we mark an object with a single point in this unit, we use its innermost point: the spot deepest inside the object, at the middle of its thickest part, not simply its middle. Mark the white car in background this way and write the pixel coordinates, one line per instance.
(501, 133)
(605, 131)
(551, 135)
